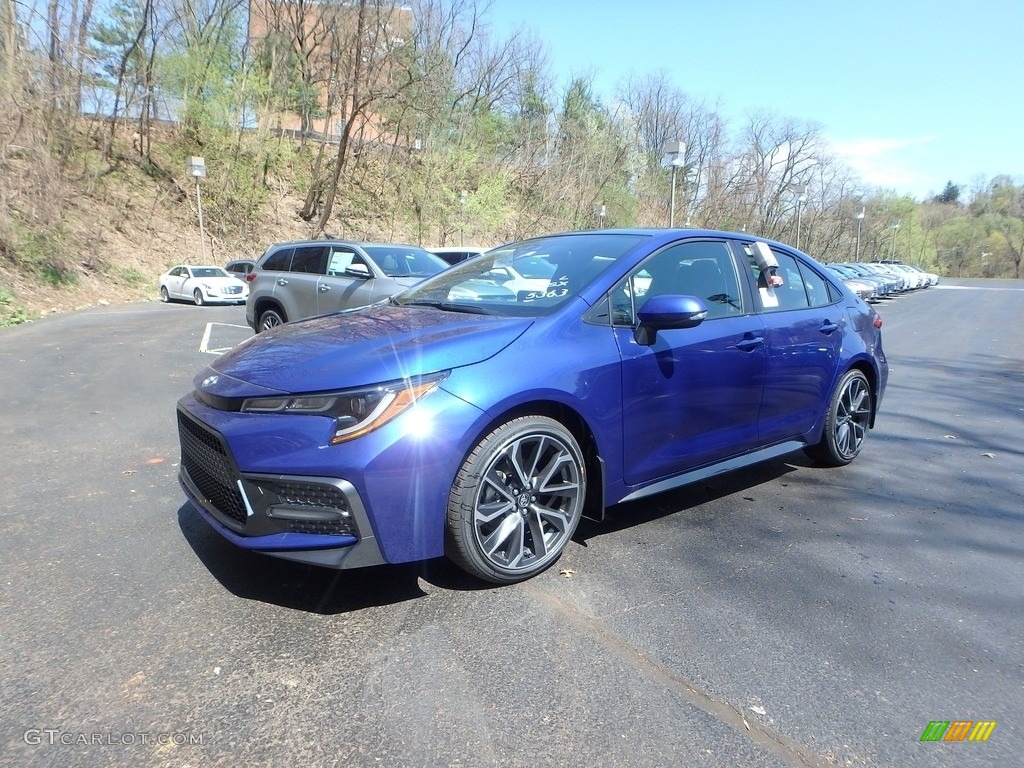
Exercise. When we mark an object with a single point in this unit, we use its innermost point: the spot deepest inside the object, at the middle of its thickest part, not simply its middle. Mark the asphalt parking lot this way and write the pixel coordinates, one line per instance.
(786, 615)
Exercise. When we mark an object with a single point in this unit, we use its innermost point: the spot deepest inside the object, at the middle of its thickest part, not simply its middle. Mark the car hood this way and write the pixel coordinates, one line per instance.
(218, 280)
(351, 349)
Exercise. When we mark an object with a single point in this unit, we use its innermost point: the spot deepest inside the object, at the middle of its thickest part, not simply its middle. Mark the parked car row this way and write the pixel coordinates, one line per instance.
(881, 279)
(482, 411)
(300, 279)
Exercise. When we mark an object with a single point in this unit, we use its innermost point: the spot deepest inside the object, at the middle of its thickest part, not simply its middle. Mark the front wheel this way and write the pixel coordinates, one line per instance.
(516, 501)
(270, 318)
(164, 295)
(197, 295)
(847, 422)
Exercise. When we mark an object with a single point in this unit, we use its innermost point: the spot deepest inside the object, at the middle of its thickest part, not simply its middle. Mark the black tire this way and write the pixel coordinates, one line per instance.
(165, 297)
(197, 296)
(269, 318)
(850, 412)
(516, 501)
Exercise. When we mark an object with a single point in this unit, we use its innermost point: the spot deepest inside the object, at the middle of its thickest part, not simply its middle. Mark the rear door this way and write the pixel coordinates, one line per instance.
(803, 320)
(297, 289)
(175, 282)
(693, 396)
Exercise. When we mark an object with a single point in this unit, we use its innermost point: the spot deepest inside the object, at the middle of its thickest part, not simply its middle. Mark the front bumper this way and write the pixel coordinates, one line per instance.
(223, 296)
(316, 520)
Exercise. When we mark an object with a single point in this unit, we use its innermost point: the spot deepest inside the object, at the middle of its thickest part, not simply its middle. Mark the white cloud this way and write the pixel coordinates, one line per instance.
(891, 163)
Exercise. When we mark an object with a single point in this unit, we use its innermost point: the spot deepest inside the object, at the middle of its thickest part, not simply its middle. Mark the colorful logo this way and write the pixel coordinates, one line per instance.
(958, 730)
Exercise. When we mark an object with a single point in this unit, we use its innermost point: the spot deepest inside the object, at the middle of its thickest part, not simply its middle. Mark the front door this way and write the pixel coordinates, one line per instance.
(692, 397)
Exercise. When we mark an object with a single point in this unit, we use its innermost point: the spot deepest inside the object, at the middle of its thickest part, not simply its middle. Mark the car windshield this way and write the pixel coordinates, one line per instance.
(209, 272)
(535, 267)
(565, 264)
(405, 260)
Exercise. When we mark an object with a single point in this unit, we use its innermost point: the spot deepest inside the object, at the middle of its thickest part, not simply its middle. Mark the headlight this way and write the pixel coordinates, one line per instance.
(356, 411)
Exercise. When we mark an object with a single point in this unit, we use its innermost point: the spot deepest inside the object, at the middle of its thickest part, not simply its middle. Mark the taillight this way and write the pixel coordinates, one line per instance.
(250, 277)
(877, 322)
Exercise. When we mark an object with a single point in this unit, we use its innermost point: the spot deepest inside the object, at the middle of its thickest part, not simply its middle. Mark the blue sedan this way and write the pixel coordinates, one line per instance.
(482, 425)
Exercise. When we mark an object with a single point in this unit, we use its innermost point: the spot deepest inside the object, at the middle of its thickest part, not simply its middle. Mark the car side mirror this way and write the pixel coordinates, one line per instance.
(668, 312)
(360, 271)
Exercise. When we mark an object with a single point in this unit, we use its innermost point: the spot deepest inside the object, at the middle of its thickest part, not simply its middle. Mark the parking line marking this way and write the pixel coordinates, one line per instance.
(204, 345)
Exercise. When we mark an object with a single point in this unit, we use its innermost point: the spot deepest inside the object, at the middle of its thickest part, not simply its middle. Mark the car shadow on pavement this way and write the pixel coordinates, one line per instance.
(632, 513)
(328, 591)
(297, 585)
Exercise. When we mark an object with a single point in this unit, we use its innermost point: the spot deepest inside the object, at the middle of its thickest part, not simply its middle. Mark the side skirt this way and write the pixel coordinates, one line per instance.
(711, 470)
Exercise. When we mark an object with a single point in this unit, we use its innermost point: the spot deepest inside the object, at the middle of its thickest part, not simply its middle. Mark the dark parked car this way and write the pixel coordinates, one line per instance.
(314, 277)
(240, 267)
(483, 428)
(453, 254)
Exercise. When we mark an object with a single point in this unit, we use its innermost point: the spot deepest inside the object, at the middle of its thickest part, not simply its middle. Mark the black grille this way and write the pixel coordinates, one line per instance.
(311, 495)
(320, 497)
(207, 463)
(331, 527)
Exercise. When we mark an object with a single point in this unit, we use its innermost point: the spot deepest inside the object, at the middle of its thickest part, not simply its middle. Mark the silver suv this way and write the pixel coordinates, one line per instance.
(315, 277)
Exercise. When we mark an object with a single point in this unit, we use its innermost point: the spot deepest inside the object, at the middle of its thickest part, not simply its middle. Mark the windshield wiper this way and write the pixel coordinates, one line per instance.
(447, 306)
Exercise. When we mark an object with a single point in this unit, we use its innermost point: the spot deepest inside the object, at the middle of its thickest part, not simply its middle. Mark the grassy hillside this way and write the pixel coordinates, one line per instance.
(102, 226)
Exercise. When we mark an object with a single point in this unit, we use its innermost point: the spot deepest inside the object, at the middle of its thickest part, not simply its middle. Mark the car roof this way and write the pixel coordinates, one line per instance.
(339, 241)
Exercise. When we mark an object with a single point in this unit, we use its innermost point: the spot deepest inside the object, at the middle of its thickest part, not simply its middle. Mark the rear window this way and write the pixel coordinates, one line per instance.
(209, 272)
(279, 261)
(405, 261)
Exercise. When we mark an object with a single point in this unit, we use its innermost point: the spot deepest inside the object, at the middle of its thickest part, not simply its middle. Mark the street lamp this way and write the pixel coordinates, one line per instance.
(859, 216)
(463, 199)
(895, 227)
(677, 150)
(800, 190)
(197, 168)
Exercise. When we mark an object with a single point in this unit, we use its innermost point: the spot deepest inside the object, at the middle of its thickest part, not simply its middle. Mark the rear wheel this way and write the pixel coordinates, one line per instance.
(164, 295)
(517, 500)
(197, 295)
(847, 423)
(270, 318)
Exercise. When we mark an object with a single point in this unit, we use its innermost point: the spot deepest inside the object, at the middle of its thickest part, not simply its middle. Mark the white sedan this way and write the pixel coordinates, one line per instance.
(202, 285)
(532, 273)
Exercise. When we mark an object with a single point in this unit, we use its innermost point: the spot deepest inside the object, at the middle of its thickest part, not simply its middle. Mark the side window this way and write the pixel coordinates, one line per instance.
(279, 261)
(702, 268)
(801, 287)
(818, 294)
(341, 259)
(310, 259)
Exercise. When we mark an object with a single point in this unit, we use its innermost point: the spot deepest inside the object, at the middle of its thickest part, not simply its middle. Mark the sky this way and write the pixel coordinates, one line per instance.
(911, 94)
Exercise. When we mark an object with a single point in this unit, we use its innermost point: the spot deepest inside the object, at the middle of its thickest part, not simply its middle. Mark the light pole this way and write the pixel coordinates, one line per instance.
(859, 216)
(895, 227)
(601, 212)
(677, 150)
(463, 199)
(197, 168)
(800, 190)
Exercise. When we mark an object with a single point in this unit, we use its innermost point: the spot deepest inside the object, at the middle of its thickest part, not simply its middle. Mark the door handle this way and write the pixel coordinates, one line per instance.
(282, 281)
(748, 345)
(324, 288)
(828, 328)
